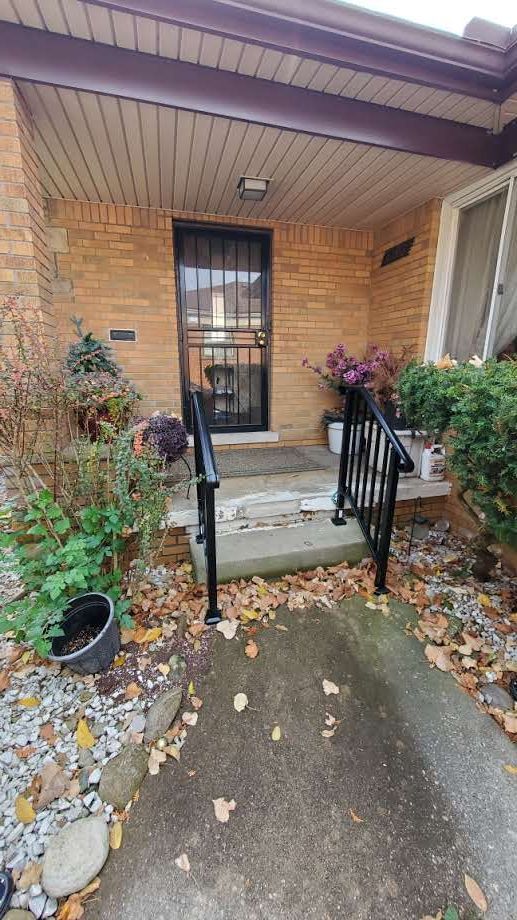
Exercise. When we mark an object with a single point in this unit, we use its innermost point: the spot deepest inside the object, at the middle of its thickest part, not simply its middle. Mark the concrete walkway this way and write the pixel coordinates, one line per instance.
(413, 758)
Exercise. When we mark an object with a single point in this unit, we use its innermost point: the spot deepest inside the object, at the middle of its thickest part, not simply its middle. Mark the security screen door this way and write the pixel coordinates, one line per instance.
(223, 287)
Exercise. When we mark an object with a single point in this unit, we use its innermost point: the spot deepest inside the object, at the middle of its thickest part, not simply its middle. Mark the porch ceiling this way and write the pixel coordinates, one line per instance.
(106, 25)
(103, 148)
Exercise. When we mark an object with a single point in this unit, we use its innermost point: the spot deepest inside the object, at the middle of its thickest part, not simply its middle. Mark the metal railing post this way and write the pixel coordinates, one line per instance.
(387, 512)
(339, 516)
(207, 480)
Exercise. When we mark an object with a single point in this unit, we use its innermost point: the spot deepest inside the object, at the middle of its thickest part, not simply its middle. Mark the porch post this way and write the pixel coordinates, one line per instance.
(24, 260)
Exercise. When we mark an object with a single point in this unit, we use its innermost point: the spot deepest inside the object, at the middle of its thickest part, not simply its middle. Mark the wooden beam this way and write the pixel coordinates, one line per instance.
(45, 57)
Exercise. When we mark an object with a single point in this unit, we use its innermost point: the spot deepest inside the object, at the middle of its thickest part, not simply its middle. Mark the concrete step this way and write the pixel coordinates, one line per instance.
(276, 551)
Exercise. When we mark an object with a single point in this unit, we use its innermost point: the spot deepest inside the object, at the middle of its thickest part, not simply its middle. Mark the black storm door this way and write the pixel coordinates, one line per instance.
(223, 287)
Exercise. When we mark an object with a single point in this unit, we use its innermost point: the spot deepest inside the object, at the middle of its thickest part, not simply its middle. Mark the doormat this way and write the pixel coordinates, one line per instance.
(262, 461)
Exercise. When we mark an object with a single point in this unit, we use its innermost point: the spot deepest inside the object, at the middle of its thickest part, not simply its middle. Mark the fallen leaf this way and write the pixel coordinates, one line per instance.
(251, 649)
(127, 635)
(329, 687)
(196, 701)
(164, 669)
(484, 600)
(280, 627)
(73, 909)
(30, 876)
(191, 688)
(54, 784)
(329, 732)
(439, 656)
(24, 810)
(83, 735)
(48, 734)
(116, 836)
(476, 894)
(451, 914)
(510, 722)
(4, 680)
(30, 702)
(511, 768)
(355, 818)
(143, 635)
(329, 719)
(173, 751)
(240, 701)
(228, 628)
(25, 752)
(183, 863)
(276, 734)
(190, 718)
(156, 757)
(133, 691)
(197, 629)
(223, 808)
(119, 661)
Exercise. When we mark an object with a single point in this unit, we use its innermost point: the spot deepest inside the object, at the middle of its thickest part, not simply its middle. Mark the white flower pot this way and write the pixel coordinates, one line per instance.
(411, 440)
(335, 436)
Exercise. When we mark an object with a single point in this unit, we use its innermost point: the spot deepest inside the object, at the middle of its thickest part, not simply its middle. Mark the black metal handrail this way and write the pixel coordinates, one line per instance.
(371, 496)
(207, 481)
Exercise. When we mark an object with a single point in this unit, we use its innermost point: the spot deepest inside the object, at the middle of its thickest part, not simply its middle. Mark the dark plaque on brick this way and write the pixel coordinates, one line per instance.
(122, 335)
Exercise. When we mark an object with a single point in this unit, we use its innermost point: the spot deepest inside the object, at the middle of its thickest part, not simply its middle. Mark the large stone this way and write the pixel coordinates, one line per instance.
(497, 696)
(19, 915)
(162, 713)
(122, 776)
(75, 856)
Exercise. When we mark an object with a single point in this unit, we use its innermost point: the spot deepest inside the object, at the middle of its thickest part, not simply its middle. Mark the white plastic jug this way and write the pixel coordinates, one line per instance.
(433, 463)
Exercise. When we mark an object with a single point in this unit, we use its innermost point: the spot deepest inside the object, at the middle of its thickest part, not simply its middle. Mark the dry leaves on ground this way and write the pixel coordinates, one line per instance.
(73, 909)
(251, 649)
(276, 734)
(222, 809)
(156, 757)
(116, 835)
(355, 818)
(24, 810)
(83, 735)
(190, 718)
(183, 863)
(329, 687)
(240, 701)
(228, 628)
(476, 893)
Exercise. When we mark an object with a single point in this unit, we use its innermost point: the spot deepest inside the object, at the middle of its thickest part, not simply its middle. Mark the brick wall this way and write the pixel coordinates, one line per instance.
(401, 292)
(24, 263)
(114, 266)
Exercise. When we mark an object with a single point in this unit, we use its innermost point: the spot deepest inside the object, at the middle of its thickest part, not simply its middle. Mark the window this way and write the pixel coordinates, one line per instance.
(474, 303)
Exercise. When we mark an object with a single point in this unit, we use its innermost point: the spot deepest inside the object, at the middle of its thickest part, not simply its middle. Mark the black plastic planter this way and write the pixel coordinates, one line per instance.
(95, 610)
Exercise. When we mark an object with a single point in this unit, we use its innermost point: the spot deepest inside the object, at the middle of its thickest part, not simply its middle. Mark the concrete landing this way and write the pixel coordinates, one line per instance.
(278, 550)
(412, 758)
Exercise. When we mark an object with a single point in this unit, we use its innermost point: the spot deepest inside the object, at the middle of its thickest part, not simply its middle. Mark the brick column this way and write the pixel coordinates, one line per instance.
(24, 261)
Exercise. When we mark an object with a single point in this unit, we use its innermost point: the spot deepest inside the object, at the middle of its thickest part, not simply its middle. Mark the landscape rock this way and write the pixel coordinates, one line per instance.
(123, 775)
(162, 713)
(497, 697)
(75, 856)
(17, 914)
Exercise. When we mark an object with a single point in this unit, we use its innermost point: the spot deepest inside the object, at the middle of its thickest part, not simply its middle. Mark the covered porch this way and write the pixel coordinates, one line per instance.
(126, 131)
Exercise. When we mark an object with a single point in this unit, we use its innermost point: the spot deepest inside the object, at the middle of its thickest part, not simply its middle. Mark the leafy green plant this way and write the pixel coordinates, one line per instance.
(476, 403)
(56, 560)
(424, 396)
(139, 486)
(483, 440)
(90, 355)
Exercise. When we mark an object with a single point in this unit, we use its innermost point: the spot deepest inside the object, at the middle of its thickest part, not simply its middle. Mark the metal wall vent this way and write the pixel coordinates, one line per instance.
(394, 253)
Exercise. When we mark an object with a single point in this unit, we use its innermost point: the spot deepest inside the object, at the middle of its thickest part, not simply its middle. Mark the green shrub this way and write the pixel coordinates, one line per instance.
(476, 404)
(483, 440)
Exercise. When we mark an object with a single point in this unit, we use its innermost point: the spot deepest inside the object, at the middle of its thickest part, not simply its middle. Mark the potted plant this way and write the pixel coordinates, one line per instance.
(385, 368)
(97, 389)
(332, 420)
(57, 558)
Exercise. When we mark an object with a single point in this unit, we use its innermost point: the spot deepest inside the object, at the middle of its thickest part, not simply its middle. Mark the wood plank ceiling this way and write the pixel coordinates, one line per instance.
(99, 24)
(99, 148)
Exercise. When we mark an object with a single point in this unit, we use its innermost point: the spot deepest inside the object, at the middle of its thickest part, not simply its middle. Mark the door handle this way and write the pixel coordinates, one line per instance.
(261, 338)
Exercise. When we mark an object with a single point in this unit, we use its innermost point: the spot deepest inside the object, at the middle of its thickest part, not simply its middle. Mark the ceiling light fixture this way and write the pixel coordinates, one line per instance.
(251, 188)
